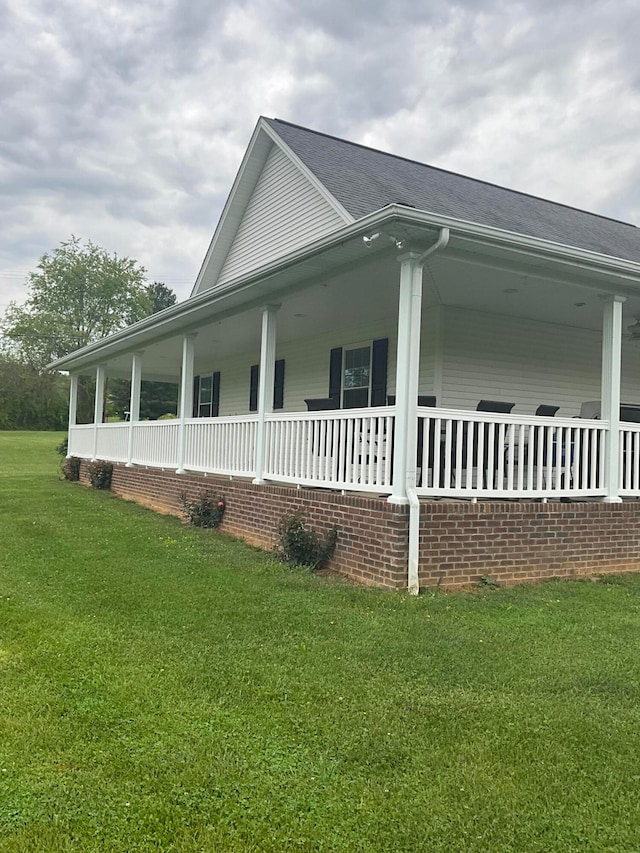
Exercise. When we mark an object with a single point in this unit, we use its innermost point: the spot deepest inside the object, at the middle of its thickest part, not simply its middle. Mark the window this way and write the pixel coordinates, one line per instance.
(206, 395)
(356, 377)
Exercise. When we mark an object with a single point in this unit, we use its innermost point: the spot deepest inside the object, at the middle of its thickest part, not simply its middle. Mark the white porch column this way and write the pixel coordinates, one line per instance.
(186, 397)
(134, 401)
(73, 409)
(98, 407)
(610, 392)
(407, 370)
(265, 384)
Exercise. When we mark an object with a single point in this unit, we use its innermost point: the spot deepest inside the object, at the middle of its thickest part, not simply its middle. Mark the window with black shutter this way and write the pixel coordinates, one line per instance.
(358, 374)
(206, 395)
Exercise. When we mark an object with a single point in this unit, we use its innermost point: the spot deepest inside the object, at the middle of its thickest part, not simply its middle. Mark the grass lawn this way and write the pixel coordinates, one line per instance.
(168, 689)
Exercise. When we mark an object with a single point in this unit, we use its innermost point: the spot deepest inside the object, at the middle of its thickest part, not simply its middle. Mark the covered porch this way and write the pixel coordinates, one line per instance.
(470, 455)
(464, 318)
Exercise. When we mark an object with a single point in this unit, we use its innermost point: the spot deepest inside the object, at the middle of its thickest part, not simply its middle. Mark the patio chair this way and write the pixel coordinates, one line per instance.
(545, 411)
(321, 404)
(427, 401)
(494, 406)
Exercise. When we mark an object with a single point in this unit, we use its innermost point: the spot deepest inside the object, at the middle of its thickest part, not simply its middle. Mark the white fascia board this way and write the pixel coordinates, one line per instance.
(176, 319)
(230, 204)
(522, 244)
(298, 163)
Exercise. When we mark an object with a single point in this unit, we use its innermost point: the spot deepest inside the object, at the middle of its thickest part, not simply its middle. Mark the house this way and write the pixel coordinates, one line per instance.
(439, 366)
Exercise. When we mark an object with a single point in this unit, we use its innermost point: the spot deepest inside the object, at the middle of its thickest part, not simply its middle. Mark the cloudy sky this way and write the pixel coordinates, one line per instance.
(125, 122)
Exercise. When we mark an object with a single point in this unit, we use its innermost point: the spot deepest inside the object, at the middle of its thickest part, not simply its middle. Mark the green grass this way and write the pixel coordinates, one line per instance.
(168, 689)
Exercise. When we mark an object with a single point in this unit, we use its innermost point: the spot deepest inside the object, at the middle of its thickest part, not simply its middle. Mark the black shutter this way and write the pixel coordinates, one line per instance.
(215, 395)
(278, 384)
(253, 388)
(379, 372)
(196, 395)
(335, 375)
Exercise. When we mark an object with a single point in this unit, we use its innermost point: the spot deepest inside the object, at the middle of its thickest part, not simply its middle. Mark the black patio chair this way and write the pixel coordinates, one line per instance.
(321, 404)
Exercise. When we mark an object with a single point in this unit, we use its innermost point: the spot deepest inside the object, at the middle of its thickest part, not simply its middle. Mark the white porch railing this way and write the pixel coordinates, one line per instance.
(480, 454)
(339, 449)
(81, 440)
(155, 443)
(629, 465)
(460, 454)
(221, 445)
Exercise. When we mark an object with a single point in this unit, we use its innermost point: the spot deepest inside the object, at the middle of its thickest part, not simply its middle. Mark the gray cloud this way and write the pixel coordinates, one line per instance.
(126, 122)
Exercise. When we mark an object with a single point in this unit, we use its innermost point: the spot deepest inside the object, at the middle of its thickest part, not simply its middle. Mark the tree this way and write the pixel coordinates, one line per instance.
(77, 295)
(156, 398)
(31, 399)
(161, 296)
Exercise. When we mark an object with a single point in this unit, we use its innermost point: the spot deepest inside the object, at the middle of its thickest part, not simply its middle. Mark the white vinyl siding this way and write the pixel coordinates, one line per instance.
(284, 213)
(484, 357)
(306, 368)
(519, 361)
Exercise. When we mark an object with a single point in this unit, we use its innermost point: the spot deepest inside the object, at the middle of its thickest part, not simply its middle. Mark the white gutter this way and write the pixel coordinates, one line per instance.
(181, 317)
(413, 581)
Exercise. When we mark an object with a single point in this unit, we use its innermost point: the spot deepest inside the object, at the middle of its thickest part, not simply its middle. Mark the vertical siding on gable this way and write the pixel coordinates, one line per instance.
(285, 212)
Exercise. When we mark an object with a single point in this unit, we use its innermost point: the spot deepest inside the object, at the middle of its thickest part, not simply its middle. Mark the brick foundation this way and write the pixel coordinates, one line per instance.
(460, 542)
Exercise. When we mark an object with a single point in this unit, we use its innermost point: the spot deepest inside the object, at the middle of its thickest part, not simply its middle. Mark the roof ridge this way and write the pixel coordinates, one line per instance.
(450, 172)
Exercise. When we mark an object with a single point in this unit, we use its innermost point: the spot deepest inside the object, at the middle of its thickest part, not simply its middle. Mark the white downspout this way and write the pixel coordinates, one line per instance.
(413, 582)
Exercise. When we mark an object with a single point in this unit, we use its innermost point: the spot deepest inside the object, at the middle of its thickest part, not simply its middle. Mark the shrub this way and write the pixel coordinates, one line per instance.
(71, 469)
(203, 511)
(63, 448)
(302, 546)
(100, 474)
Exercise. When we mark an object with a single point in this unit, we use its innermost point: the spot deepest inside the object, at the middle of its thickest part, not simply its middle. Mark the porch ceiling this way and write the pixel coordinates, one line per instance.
(343, 284)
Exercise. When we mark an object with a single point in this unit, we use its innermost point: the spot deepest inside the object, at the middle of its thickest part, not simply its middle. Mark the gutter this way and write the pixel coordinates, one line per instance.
(413, 581)
(178, 318)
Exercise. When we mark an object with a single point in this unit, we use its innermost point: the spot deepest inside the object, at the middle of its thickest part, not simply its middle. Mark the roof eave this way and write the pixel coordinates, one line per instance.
(178, 318)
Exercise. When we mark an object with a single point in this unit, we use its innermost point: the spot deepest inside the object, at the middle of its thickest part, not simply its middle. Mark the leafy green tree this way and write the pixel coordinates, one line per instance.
(78, 294)
(31, 399)
(161, 296)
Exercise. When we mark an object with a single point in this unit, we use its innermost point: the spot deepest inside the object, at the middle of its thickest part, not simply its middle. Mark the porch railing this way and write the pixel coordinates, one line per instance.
(339, 449)
(479, 454)
(221, 445)
(459, 454)
(629, 464)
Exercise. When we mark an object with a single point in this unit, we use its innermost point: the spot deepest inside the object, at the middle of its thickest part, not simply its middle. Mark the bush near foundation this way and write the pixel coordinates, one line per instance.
(302, 546)
(100, 474)
(203, 511)
(71, 468)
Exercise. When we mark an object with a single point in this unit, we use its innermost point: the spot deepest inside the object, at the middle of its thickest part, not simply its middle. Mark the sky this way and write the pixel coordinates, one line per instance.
(125, 122)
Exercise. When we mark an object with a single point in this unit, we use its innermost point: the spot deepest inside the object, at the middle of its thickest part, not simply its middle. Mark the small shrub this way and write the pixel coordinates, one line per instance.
(302, 546)
(100, 474)
(71, 469)
(169, 416)
(63, 448)
(487, 582)
(203, 511)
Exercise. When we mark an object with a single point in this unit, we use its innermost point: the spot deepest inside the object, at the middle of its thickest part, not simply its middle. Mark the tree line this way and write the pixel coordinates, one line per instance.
(78, 293)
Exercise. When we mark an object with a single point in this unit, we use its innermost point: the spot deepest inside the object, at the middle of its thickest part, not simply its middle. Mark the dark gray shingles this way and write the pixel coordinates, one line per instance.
(364, 180)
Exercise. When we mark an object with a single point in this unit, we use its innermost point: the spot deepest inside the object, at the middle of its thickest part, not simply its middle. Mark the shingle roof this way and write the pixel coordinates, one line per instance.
(364, 180)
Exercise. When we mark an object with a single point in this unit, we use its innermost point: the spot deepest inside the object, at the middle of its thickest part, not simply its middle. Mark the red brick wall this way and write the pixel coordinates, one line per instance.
(459, 541)
(513, 542)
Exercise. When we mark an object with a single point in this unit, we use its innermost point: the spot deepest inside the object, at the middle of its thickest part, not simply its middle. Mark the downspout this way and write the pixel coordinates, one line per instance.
(413, 582)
